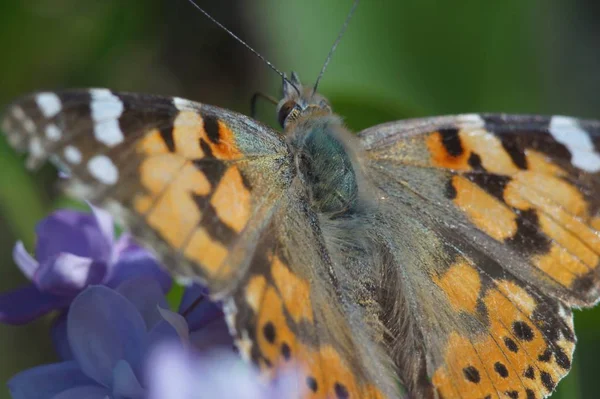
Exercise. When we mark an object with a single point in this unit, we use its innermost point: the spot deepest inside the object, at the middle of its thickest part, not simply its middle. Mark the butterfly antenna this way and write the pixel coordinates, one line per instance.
(335, 44)
(256, 53)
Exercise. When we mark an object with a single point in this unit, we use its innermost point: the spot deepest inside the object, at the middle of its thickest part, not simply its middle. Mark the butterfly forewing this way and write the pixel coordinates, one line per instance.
(190, 172)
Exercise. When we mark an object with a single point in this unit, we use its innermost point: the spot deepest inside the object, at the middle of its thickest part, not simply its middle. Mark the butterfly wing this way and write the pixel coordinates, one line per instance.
(213, 193)
(490, 226)
(203, 179)
(288, 312)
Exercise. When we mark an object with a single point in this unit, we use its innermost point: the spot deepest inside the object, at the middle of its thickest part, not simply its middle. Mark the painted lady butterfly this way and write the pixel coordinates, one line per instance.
(443, 252)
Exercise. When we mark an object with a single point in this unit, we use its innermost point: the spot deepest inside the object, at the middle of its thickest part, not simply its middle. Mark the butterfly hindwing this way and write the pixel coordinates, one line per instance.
(492, 221)
(287, 313)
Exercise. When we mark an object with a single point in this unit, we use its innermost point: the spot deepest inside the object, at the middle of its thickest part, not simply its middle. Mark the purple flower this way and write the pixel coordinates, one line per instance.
(74, 250)
(208, 329)
(110, 333)
(176, 373)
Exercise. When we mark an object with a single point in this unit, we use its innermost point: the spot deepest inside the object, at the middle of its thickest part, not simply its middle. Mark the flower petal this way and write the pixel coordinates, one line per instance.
(67, 274)
(169, 374)
(72, 232)
(60, 341)
(47, 381)
(125, 382)
(146, 294)
(27, 303)
(104, 327)
(177, 321)
(105, 223)
(214, 335)
(84, 392)
(203, 314)
(131, 260)
(26, 263)
(177, 374)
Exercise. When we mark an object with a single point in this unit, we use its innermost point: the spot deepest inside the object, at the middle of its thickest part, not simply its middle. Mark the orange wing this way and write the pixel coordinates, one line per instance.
(491, 225)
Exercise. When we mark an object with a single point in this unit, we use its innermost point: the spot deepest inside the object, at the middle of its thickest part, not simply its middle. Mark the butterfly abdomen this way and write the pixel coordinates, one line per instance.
(325, 165)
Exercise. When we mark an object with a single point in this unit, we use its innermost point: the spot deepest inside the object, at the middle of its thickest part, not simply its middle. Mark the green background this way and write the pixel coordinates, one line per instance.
(399, 58)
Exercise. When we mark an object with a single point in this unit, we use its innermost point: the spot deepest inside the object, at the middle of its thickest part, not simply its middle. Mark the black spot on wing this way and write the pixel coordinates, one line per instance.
(166, 133)
(474, 162)
(472, 374)
(311, 383)
(341, 392)
(545, 356)
(585, 283)
(514, 150)
(501, 369)
(562, 359)
(512, 394)
(529, 373)
(529, 238)
(548, 381)
(522, 331)
(211, 127)
(286, 351)
(451, 192)
(451, 141)
(269, 332)
(490, 183)
(511, 345)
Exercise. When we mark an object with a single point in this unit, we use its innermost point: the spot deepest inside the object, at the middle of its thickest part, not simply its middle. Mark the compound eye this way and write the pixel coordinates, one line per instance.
(285, 111)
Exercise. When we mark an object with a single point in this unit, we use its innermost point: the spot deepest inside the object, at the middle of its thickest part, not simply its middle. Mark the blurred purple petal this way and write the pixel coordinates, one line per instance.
(84, 392)
(190, 295)
(214, 335)
(71, 232)
(125, 382)
(67, 274)
(59, 337)
(202, 313)
(105, 223)
(103, 328)
(47, 381)
(177, 321)
(132, 262)
(26, 263)
(27, 303)
(145, 293)
(176, 374)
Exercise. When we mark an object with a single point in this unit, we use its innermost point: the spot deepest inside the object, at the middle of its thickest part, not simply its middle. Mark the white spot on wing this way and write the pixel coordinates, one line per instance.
(18, 113)
(183, 104)
(36, 149)
(53, 133)
(103, 169)
(106, 111)
(72, 154)
(49, 104)
(567, 131)
(29, 125)
(470, 120)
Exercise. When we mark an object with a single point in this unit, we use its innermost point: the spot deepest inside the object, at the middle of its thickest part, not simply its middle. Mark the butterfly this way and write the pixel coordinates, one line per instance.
(425, 258)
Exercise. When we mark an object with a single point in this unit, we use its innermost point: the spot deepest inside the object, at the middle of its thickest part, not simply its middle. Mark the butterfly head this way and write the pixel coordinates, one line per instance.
(298, 102)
